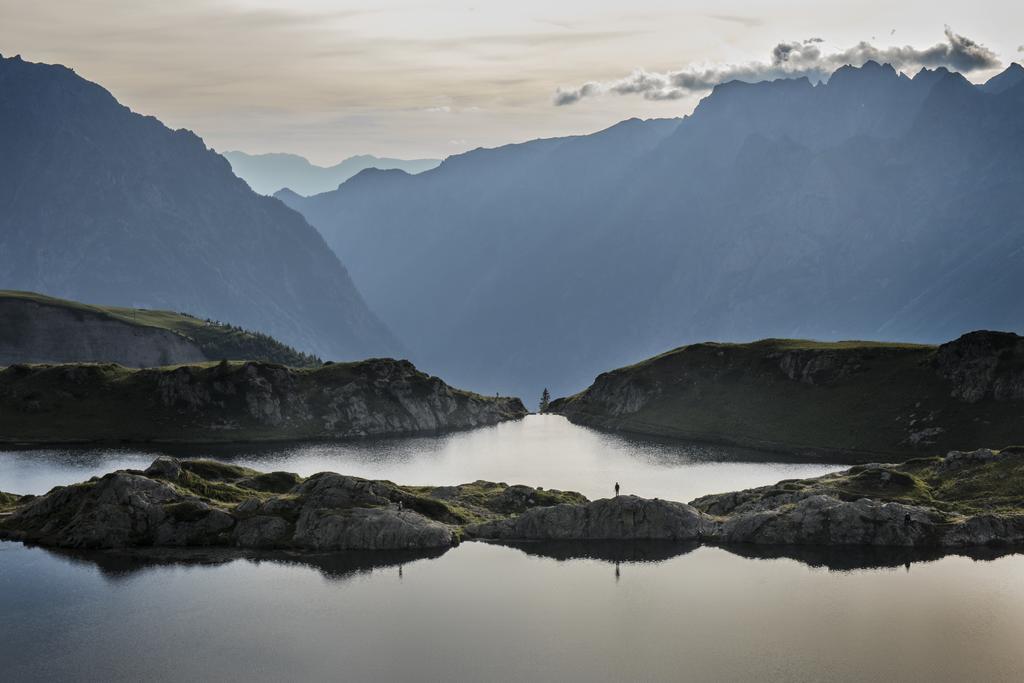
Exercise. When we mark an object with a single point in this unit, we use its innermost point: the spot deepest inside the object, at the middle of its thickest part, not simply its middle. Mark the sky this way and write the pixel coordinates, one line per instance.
(411, 79)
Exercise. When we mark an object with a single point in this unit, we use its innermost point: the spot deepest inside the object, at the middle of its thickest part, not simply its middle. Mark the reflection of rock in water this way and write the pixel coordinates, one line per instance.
(607, 551)
(833, 558)
(848, 558)
(121, 564)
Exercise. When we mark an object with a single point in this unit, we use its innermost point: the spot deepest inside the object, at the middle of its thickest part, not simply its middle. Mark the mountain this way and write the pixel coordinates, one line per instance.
(268, 173)
(854, 400)
(1011, 77)
(102, 204)
(40, 329)
(873, 206)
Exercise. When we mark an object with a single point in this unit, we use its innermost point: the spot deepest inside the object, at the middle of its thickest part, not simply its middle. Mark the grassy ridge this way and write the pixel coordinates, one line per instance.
(233, 402)
(217, 340)
(856, 400)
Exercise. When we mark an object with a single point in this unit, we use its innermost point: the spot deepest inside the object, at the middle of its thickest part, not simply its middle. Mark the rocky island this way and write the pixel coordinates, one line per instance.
(855, 401)
(961, 500)
(234, 402)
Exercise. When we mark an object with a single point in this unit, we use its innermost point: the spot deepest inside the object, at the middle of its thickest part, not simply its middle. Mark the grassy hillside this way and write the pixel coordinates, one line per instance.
(853, 400)
(217, 340)
(233, 402)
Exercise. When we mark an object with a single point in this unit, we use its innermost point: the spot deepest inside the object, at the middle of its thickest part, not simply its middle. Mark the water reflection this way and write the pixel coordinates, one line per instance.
(540, 450)
(851, 558)
(117, 565)
(489, 612)
(340, 566)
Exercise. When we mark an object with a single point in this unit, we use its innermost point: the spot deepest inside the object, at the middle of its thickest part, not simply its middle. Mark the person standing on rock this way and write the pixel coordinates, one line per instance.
(616, 489)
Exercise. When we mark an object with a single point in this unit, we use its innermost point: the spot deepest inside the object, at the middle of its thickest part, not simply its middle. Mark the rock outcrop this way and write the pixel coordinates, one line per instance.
(857, 401)
(247, 401)
(984, 365)
(196, 503)
(962, 501)
(620, 518)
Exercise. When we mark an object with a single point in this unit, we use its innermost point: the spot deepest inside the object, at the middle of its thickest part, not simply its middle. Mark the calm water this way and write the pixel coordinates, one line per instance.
(541, 450)
(595, 611)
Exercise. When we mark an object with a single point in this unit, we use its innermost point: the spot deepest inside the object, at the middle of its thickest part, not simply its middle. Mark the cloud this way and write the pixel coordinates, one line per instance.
(749, 22)
(802, 58)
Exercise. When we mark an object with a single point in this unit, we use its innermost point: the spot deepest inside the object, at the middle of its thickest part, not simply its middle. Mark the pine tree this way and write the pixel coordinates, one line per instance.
(545, 400)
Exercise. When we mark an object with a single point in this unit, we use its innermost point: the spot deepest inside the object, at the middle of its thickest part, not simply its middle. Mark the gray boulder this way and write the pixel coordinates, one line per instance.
(619, 518)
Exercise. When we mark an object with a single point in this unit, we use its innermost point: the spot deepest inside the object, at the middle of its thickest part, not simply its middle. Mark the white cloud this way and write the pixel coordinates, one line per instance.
(788, 60)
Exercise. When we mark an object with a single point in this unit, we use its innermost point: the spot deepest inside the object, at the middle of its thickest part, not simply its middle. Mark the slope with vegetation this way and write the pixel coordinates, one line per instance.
(853, 400)
(40, 329)
(234, 402)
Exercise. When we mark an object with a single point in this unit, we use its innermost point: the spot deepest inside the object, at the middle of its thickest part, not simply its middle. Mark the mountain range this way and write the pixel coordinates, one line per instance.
(104, 205)
(268, 173)
(872, 206)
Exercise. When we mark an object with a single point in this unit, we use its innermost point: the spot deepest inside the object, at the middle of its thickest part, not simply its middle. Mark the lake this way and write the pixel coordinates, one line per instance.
(590, 611)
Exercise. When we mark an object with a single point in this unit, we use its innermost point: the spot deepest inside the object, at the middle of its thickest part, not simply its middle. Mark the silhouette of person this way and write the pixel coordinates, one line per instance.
(616, 488)
(616, 572)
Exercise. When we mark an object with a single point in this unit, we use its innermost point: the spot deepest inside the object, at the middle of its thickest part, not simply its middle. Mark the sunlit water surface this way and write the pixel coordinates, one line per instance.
(604, 612)
(541, 450)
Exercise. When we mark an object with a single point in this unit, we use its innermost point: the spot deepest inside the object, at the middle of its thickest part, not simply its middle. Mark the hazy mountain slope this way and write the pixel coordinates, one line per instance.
(40, 329)
(467, 258)
(101, 204)
(268, 173)
(876, 206)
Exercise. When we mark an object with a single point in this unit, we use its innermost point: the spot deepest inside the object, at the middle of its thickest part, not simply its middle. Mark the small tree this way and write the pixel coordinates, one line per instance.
(545, 400)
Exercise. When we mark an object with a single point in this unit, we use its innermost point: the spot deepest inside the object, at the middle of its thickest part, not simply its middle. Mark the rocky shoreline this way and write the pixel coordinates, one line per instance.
(234, 402)
(850, 401)
(962, 500)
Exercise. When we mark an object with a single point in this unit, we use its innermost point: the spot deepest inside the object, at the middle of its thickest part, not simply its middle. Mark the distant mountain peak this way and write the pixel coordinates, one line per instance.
(268, 173)
(1010, 77)
(870, 70)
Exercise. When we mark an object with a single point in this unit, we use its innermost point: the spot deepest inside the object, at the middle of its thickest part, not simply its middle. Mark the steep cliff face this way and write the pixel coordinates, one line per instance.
(247, 401)
(850, 399)
(32, 332)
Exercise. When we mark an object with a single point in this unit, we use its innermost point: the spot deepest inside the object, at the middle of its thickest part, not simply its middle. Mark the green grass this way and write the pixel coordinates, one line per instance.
(8, 501)
(217, 340)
